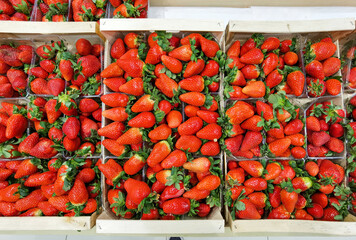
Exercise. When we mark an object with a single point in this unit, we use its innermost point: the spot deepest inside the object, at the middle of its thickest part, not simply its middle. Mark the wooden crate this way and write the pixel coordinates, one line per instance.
(338, 29)
(37, 32)
(107, 222)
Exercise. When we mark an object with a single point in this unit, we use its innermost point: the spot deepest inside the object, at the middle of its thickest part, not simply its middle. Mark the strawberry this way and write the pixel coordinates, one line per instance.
(39, 179)
(117, 49)
(196, 194)
(279, 146)
(166, 85)
(135, 164)
(113, 130)
(78, 195)
(239, 112)
(136, 190)
(30, 201)
(175, 159)
(43, 149)
(66, 69)
(211, 132)
(254, 168)
(210, 148)
(234, 49)
(15, 126)
(331, 66)
(316, 211)
(114, 147)
(183, 53)
(198, 165)
(143, 120)
(8, 209)
(253, 56)
(133, 67)
(333, 86)
(319, 138)
(174, 119)
(5, 173)
(117, 114)
(296, 80)
(189, 142)
(210, 183)
(289, 199)
(194, 68)
(269, 63)
(247, 211)
(47, 209)
(112, 71)
(316, 88)
(177, 206)
(71, 127)
(60, 203)
(293, 127)
(313, 124)
(251, 140)
(28, 143)
(209, 47)
(161, 132)
(315, 69)
(173, 65)
(302, 183)
(87, 105)
(50, 108)
(159, 152)
(191, 126)
(279, 213)
(26, 168)
(211, 69)
(90, 65)
(290, 58)
(255, 89)
(193, 84)
(270, 44)
(273, 169)
(322, 50)
(335, 145)
(131, 136)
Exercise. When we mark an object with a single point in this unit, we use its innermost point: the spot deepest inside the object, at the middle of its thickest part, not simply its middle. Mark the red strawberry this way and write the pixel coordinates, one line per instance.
(43, 149)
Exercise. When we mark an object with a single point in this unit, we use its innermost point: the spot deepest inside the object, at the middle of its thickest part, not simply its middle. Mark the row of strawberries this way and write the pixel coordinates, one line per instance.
(261, 66)
(51, 69)
(55, 131)
(158, 106)
(65, 10)
(288, 190)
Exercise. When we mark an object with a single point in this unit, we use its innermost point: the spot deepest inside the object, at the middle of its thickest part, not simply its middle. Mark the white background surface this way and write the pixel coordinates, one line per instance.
(226, 14)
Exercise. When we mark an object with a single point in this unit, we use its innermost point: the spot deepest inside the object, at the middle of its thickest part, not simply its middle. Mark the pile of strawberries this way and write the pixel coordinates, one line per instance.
(325, 129)
(287, 190)
(55, 187)
(58, 68)
(16, 10)
(261, 66)
(52, 11)
(322, 68)
(61, 178)
(248, 123)
(130, 8)
(160, 114)
(14, 66)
